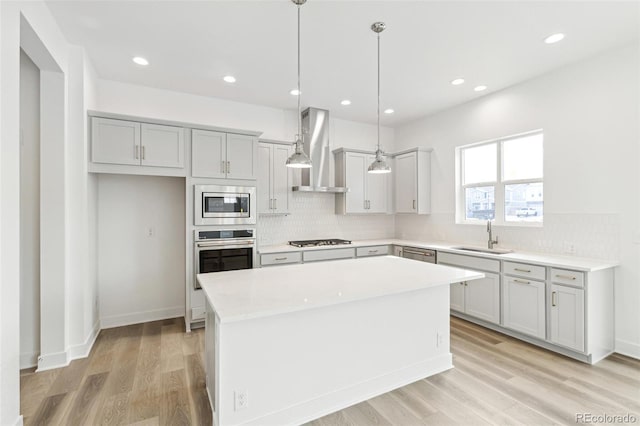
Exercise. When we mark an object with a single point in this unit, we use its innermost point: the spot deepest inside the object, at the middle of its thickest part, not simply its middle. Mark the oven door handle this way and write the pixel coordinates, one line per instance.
(230, 244)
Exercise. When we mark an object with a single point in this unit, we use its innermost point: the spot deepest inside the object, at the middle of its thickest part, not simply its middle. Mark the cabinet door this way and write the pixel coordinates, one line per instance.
(482, 298)
(524, 306)
(115, 141)
(567, 316)
(406, 183)
(456, 296)
(376, 188)
(162, 146)
(265, 180)
(281, 179)
(241, 156)
(355, 180)
(208, 154)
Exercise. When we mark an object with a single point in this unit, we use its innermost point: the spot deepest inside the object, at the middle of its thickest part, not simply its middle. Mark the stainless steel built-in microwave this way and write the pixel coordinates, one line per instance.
(224, 205)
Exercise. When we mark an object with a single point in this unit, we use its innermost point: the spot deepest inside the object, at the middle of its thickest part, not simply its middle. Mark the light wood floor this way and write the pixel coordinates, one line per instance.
(152, 374)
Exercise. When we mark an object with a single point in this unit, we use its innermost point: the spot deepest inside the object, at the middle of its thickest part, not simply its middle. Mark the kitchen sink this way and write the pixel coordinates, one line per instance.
(483, 250)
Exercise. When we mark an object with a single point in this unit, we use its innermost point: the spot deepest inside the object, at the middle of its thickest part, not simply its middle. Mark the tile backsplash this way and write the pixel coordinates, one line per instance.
(313, 216)
(583, 235)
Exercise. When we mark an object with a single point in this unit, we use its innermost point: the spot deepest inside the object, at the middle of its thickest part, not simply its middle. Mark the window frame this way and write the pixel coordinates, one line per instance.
(499, 184)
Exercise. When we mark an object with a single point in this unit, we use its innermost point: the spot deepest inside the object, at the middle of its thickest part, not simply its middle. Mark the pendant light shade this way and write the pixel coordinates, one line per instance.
(299, 159)
(379, 165)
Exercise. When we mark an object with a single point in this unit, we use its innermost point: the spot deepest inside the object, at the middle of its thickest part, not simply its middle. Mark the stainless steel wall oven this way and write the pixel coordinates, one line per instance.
(223, 250)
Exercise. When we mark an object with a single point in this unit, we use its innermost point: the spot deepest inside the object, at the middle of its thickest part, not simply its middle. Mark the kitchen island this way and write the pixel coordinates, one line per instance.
(289, 344)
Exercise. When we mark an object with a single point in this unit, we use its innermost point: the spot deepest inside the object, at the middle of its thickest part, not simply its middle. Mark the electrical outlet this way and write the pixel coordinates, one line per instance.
(439, 339)
(569, 248)
(241, 399)
(151, 231)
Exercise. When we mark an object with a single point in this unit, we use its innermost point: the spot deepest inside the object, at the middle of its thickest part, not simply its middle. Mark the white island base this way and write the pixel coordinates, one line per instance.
(278, 363)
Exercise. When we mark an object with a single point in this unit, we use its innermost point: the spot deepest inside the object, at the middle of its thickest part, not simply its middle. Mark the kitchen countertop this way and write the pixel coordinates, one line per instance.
(261, 292)
(546, 259)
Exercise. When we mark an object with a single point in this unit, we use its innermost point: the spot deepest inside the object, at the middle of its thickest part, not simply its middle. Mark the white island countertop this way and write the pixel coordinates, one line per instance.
(254, 293)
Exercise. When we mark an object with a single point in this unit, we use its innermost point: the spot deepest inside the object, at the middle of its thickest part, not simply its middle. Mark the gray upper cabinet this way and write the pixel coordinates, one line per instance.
(115, 141)
(223, 155)
(124, 142)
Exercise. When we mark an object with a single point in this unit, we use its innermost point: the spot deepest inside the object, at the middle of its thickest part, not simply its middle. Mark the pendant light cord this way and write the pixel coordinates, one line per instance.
(378, 92)
(299, 93)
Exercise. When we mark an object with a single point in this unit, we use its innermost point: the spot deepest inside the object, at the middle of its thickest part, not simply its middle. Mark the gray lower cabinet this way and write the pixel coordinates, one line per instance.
(523, 302)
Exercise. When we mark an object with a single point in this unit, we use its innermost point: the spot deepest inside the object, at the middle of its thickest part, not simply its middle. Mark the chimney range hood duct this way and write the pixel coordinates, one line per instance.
(316, 144)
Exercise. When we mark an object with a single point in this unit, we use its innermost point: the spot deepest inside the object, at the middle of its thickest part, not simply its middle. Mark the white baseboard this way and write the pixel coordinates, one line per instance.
(627, 348)
(51, 361)
(343, 398)
(19, 421)
(28, 360)
(138, 317)
(82, 350)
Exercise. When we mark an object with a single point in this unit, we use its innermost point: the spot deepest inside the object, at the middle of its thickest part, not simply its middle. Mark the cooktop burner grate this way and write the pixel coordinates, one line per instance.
(316, 243)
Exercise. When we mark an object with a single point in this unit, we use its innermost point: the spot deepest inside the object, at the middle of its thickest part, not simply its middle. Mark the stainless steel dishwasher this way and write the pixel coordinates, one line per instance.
(423, 255)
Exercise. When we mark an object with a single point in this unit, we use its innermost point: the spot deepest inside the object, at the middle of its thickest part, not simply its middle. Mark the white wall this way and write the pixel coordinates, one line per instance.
(29, 212)
(141, 277)
(590, 113)
(31, 25)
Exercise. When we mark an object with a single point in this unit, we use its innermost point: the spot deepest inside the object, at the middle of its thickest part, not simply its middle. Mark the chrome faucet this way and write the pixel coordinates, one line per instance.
(491, 241)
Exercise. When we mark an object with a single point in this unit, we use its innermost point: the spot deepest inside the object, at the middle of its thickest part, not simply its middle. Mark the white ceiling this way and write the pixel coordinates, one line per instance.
(191, 45)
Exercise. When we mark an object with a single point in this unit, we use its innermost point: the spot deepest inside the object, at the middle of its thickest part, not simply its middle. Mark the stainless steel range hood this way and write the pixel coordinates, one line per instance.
(316, 145)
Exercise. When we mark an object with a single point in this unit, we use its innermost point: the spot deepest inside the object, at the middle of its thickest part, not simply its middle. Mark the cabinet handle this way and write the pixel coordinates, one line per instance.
(553, 298)
(143, 152)
(369, 204)
(222, 167)
(281, 258)
(275, 204)
(521, 281)
(270, 203)
(136, 150)
(228, 167)
(522, 270)
(373, 251)
(414, 204)
(466, 284)
(566, 277)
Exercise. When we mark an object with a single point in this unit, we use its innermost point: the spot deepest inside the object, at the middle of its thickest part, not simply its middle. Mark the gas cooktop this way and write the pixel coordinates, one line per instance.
(316, 243)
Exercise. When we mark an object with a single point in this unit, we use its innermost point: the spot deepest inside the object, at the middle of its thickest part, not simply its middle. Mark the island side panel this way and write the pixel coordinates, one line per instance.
(299, 366)
(211, 358)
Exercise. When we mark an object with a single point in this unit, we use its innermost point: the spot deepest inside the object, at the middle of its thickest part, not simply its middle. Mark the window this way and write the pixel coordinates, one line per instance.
(501, 180)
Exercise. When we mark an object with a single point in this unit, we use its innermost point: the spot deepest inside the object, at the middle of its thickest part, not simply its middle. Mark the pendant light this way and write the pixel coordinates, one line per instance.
(299, 159)
(379, 165)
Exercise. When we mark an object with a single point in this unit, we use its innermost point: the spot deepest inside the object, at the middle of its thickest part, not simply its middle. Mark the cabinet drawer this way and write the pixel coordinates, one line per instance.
(280, 258)
(372, 251)
(314, 255)
(525, 270)
(567, 277)
(470, 262)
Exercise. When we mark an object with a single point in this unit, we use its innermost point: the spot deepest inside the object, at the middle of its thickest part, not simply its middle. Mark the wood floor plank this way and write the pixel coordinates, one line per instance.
(391, 409)
(171, 354)
(364, 414)
(50, 408)
(85, 402)
(70, 377)
(33, 389)
(175, 409)
(113, 411)
(198, 390)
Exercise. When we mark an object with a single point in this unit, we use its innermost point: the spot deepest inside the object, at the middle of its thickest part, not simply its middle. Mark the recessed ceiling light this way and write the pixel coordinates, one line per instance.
(457, 81)
(229, 79)
(389, 111)
(554, 38)
(480, 88)
(345, 102)
(295, 92)
(140, 61)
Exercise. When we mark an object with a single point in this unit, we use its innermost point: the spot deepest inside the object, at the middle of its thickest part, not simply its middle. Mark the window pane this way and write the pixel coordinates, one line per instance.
(522, 158)
(480, 164)
(523, 202)
(480, 203)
